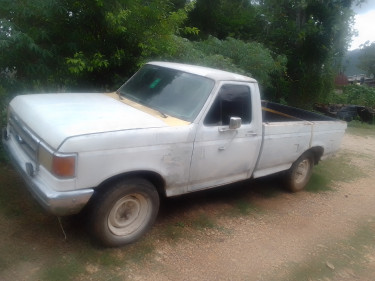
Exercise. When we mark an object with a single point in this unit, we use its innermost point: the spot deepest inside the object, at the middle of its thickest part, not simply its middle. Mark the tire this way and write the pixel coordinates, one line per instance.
(299, 174)
(124, 212)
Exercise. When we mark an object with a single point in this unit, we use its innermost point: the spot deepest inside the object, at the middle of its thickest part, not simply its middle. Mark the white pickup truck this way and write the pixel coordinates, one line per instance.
(169, 130)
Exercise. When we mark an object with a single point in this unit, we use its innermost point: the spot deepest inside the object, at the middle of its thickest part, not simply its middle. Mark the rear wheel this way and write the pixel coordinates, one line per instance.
(123, 213)
(299, 174)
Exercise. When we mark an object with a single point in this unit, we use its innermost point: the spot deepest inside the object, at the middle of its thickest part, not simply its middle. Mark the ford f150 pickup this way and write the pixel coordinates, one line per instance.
(169, 130)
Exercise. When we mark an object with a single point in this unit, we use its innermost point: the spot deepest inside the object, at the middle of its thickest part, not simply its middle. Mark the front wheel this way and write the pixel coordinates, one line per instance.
(299, 174)
(124, 212)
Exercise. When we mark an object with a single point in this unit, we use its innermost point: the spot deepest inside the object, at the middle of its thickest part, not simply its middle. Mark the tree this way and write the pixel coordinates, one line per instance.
(252, 58)
(367, 59)
(312, 34)
(88, 44)
(291, 46)
(224, 18)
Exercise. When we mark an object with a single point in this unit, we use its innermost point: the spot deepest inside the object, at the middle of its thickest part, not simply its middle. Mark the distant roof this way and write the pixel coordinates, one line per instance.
(341, 80)
(215, 74)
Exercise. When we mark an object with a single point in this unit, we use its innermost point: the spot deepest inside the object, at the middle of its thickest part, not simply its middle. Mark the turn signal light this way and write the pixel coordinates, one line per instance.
(64, 166)
(59, 164)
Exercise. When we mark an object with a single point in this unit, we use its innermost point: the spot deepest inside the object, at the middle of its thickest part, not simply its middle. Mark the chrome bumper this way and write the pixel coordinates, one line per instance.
(55, 202)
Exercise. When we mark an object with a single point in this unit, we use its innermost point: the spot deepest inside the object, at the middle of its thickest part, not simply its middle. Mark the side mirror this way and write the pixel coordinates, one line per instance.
(235, 123)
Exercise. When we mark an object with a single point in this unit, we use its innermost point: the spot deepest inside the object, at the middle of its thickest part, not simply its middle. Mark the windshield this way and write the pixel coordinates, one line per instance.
(173, 92)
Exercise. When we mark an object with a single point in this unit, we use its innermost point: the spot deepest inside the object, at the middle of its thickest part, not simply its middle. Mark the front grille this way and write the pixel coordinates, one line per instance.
(26, 139)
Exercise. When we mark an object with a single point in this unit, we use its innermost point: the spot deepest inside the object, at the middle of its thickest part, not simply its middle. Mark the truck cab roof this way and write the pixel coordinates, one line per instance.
(214, 74)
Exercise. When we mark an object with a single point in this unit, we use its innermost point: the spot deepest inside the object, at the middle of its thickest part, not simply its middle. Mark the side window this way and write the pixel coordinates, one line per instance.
(231, 101)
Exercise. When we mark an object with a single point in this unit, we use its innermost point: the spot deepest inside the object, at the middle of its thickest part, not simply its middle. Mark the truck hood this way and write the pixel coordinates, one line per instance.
(56, 117)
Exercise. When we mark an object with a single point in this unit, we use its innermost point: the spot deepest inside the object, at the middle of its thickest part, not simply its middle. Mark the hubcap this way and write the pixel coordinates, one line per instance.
(128, 214)
(302, 171)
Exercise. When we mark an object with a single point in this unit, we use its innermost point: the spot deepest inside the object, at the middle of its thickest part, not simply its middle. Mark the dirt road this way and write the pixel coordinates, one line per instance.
(304, 236)
(251, 231)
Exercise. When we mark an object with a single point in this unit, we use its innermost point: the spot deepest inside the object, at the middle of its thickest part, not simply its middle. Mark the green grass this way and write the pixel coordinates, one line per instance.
(73, 262)
(139, 251)
(241, 207)
(334, 169)
(107, 258)
(360, 129)
(174, 231)
(203, 221)
(66, 268)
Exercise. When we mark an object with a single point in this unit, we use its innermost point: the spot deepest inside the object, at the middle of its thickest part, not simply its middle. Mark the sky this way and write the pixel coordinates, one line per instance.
(364, 24)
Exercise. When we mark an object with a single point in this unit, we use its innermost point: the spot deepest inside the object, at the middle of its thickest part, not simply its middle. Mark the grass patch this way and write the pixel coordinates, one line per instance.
(334, 169)
(107, 258)
(174, 231)
(67, 268)
(242, 208)
(140, 251)
(319, 182)
(203, 221)
(345, 254)
(360, 129)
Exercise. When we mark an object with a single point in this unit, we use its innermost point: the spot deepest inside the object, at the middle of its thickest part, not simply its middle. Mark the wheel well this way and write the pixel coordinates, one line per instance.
(317, 153)
(153, 177)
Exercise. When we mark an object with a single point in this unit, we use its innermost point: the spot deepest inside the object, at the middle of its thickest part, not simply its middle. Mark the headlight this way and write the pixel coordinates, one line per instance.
(60, 164)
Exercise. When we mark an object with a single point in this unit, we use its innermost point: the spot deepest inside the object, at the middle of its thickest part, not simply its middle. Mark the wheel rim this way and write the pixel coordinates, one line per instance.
(128, 214)
(302, 171)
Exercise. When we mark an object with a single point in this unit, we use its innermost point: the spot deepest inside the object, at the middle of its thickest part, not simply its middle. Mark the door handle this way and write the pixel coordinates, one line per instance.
(250, 133)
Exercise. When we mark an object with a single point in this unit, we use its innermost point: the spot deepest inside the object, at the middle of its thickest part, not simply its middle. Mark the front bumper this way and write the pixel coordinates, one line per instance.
(59, 203)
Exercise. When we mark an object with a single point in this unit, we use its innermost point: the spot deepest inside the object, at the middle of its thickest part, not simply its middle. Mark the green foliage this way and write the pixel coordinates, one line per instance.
(357, 95)
(224, 18)
(83, 44)
(306, 37)
(252, 59)
(291, 47)
(80, 63)
(367, 59)
(360, 95)
(310, 34)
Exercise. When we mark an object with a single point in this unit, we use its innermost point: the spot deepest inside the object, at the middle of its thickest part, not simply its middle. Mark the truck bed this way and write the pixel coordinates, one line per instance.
(288, 132)
(274, 112)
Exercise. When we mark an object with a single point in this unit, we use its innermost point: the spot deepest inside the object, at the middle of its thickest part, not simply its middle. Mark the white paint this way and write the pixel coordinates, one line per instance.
(57, 117)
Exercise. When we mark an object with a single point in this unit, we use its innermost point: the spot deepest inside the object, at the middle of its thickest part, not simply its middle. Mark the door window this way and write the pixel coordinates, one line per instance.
(231, 101)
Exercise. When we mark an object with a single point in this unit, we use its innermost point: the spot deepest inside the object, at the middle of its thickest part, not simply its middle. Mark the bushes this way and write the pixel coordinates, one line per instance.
(360, 95)
(356, 95)
(247, 58)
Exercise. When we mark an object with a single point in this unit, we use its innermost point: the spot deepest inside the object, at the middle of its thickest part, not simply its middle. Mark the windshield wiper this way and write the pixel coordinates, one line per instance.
(139, 101)
(119, 95)
(162, 114)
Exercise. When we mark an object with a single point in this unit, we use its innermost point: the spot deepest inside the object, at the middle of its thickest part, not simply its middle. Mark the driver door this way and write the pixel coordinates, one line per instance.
(222, 155)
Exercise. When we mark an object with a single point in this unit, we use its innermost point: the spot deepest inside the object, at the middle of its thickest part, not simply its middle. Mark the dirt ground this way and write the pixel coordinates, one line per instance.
(326, 235)
(303, 236)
